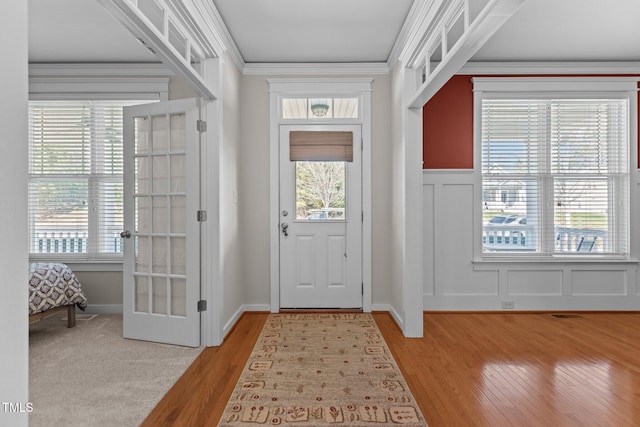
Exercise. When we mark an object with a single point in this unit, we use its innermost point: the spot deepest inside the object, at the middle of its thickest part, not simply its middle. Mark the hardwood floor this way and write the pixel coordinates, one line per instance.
(470, 369)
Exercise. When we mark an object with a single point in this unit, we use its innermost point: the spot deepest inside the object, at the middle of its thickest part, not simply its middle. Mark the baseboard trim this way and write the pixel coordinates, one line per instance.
(256, 307)
(396, 316)
(102, 309)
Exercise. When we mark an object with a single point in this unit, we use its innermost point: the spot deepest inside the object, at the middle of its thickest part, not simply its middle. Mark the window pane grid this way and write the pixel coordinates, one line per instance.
(575, 151)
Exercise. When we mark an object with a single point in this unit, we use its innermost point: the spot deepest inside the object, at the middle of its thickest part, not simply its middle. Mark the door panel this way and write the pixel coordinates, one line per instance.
(161, 270)
(321, 225)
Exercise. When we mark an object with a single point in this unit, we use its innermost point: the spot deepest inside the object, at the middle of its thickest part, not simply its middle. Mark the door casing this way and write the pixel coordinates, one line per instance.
(317, 87)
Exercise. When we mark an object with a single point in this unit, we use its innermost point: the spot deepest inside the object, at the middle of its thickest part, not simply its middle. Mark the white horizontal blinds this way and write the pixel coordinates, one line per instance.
(512, 168)
(562, 164)
(321, 146)
(76, 169)
(108, 174)
(588, 162)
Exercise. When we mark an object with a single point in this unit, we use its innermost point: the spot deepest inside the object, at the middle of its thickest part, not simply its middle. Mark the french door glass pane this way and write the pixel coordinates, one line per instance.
(159, 297)
(141, 294)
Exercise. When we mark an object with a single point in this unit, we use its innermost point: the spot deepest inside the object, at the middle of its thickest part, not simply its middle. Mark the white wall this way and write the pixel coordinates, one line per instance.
(14, 353)
(453, 282)
(103, 290)
(254, 189)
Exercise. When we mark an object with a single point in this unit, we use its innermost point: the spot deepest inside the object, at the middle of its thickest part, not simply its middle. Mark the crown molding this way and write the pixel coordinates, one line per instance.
(216, 26)
(409, 29)
(308, 69)
(543, 68)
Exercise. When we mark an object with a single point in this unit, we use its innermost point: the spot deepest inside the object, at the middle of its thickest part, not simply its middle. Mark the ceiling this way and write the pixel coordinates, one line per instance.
(344, 31)
(314, 31)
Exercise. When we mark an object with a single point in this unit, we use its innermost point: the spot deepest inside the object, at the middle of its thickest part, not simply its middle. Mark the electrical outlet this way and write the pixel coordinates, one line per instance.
(508, 305)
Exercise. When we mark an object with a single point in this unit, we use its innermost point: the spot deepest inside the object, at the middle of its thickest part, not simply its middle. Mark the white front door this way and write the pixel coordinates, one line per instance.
(320, 220)
(161, 254)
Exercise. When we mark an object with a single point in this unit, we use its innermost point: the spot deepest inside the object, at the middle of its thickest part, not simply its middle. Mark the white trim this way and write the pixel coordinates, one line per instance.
(476, 34)
(520, 68)
(411, 209)
(380, 307)
(409, 27)
(255, 307)
(232, 321)
(158, 41)
(84, 88)
(315, 86)
(217, 30)
(309, 86)
(92, 266)
(212, 255)
(239, 312)
(102, 309)
(398, 318)
(298, 69)
(554, 84)
(102, 69)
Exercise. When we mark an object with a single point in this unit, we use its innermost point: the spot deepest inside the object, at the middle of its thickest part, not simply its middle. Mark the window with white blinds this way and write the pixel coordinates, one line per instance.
(555, 176)
(75, 178)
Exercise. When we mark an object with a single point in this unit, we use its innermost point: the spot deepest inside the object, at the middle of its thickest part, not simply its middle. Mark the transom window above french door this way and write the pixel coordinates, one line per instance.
(554, 171)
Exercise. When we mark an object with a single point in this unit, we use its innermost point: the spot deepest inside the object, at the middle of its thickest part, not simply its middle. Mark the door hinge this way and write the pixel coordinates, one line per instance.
(362, 216)
(361, 144)
(202, 305)
(362, 289)
(201, 216)
(201, 126)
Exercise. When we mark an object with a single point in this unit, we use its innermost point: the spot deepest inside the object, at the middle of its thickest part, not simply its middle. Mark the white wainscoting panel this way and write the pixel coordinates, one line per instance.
(589, 282)
(453, 281)
(453, 251)
(428, 237)
(534, 282)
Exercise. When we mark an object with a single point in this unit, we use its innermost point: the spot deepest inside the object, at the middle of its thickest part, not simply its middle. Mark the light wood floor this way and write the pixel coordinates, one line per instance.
(470, 369)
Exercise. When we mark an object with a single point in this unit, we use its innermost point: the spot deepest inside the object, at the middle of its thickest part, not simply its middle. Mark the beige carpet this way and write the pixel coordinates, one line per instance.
(90, 376)
(321, 369)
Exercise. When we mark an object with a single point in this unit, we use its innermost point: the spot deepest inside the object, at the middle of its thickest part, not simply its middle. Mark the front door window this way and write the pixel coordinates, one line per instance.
(320, 190)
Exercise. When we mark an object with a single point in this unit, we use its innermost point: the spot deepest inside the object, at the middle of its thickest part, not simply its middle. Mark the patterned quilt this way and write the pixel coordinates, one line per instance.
(52, 285)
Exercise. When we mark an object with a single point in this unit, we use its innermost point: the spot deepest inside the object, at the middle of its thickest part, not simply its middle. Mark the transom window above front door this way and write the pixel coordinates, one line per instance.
(320, 108)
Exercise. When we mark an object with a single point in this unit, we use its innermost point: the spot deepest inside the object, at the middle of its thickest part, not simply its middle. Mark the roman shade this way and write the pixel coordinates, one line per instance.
(321, 146)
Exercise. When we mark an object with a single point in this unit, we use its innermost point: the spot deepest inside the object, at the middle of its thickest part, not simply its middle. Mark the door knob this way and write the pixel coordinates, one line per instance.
(125, 234)
(284, 227)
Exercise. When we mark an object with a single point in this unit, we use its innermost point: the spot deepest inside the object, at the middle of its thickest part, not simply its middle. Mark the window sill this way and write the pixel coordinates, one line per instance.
(491, 262)
(78, 264)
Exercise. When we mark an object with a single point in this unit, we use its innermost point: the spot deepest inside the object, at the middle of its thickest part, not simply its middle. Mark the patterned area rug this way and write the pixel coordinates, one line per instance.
(321, 369)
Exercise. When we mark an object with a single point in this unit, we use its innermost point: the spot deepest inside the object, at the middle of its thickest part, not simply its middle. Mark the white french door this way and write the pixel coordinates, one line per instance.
(320, 220)
(162, 250)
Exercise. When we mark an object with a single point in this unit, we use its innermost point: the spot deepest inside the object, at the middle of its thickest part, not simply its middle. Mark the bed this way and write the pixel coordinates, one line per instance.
(53, 287)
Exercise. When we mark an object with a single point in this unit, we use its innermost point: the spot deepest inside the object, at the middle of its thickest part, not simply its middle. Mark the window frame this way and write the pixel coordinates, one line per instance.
(556, 88)
(86, 87)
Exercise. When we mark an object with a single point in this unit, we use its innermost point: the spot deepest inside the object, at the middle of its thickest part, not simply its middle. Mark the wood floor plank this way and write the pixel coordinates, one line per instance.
(470, 369)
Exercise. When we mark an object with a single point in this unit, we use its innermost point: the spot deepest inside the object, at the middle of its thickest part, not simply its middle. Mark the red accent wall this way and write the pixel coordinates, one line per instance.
(447, 126)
